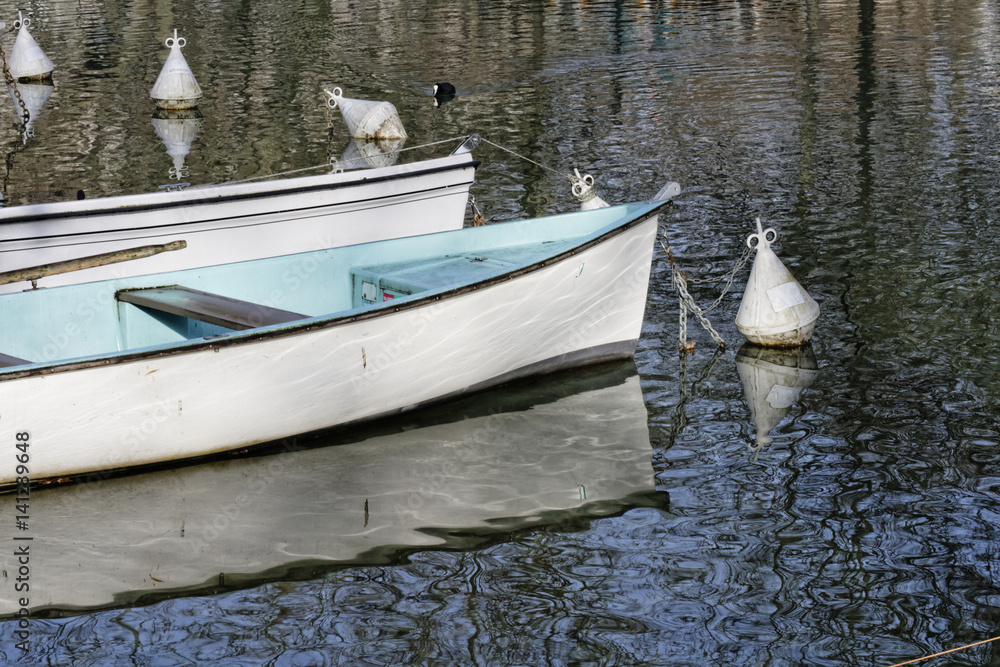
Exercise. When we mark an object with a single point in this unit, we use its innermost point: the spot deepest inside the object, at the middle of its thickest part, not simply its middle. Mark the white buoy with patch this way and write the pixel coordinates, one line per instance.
(366, 119)
(175, 87)
(27, 60)
(583, 190)
(776, 311)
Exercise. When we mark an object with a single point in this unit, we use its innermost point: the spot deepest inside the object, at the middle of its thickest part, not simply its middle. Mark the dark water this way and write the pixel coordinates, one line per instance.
(864, 532)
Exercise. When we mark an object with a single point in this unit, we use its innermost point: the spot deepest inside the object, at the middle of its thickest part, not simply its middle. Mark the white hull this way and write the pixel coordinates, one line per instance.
(483, 468)
(232, 223)
(145, 408)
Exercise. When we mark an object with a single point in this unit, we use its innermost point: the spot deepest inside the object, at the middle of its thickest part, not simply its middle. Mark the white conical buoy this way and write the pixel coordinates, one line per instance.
(365, 119)
(27, 60)
(176, 87)
(583, 190)
(775, 311)
(177, 130)
(773, 381)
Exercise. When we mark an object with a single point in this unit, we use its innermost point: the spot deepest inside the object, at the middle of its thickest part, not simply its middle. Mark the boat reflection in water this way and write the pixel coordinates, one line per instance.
(533, 454)
(773, 381)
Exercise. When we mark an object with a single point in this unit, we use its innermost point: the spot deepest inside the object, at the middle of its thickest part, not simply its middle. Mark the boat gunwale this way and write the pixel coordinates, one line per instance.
(184, 198)
(245, 220)
(326, 321)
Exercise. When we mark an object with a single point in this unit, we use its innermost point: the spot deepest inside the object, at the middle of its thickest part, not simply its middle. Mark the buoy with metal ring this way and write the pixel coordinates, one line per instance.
(366, 119)
(27, 60)
(175, 87)
(583, 190)
(776, 311)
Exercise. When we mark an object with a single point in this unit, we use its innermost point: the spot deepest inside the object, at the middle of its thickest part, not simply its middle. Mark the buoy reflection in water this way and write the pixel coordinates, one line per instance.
(177, 130)
(773, 381)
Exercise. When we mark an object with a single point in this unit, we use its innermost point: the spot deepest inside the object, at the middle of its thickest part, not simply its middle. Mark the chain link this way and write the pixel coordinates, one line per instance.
(9, 78)
(680, 282)
(26, 115)
(729, 278)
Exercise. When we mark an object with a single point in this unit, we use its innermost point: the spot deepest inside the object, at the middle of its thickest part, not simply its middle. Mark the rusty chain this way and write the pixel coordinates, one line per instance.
(9, 78)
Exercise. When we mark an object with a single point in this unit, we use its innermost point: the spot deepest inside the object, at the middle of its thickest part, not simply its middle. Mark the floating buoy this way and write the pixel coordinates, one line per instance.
(369, 153)
(176, 87)
(27, 60)
(583, 190)
(34, 96)
(773, 381)
(365, 119)
(775, 311)
(177, 130)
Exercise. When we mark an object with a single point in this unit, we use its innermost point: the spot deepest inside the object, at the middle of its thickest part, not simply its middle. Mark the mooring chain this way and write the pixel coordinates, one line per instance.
(680, 282)
(478, 219)
(583, 190)
(25, 114)
(9, 78)
(728, 278)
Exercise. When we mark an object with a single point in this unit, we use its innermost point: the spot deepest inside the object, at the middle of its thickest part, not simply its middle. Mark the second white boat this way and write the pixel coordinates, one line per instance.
(235, 222)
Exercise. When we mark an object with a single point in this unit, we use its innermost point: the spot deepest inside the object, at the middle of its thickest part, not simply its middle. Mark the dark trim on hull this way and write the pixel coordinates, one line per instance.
(328, 322)
(151, 234)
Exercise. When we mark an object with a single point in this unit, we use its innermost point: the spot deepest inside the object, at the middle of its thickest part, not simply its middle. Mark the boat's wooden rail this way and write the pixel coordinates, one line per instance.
(38, 272)
(207, 307)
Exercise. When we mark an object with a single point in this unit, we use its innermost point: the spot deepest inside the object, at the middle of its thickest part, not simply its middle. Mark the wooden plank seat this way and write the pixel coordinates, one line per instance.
(6, 361)
(207, 307)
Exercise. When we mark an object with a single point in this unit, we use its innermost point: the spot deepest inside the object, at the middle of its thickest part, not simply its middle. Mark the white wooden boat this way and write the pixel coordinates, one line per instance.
(147, 369)
(238, 221)
(449, 477)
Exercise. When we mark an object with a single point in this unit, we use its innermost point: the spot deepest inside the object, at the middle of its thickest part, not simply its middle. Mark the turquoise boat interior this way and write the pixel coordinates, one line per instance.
(75, 323)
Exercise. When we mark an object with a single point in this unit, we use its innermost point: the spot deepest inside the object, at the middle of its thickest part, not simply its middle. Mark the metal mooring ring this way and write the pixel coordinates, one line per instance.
(332, 100)
(763, 236)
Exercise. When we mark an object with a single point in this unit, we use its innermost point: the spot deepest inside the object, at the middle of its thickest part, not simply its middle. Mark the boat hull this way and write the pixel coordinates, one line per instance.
(237, 222)
(579, 306)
